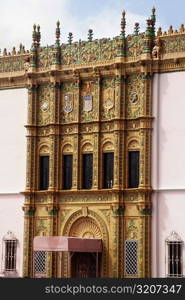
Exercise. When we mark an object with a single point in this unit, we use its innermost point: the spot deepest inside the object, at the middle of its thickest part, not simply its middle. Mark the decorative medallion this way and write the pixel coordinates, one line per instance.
(109, 98)
(45, 106)
(133, 98)
(68, 103)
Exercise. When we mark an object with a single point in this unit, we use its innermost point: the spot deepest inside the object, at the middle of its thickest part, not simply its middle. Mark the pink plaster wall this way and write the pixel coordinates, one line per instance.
(168, 164)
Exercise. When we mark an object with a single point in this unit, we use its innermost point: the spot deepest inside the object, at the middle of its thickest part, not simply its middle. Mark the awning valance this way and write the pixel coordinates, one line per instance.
(65, 243)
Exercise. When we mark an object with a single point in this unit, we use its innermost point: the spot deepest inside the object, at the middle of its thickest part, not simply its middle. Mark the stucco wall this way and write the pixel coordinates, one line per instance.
(13, 115)
(168, 164)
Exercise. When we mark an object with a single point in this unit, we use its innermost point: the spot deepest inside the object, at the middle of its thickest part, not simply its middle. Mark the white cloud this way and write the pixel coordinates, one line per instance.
(18, 17)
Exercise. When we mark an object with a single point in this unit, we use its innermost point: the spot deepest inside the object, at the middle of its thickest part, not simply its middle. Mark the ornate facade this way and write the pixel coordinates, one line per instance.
(91, 97)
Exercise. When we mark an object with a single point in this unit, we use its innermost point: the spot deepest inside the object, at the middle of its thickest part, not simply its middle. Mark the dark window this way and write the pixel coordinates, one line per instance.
(133, 169)
(67, 171)
(44, 172)
(174, 259)
(10, 255)
(108, 170)
(87, 170)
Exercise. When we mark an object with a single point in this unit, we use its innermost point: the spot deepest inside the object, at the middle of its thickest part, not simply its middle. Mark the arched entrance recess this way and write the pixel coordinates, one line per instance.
(91, 226)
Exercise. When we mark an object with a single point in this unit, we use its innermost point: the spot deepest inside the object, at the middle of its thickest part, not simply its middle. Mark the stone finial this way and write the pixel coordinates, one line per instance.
(38, 35)
(70, 38)
(13, 51)
(153, 16)
(148, 32)
(34, 36)
(57, 33)
(90, 35)
(159, 31)
(136, 28)
(20, 48)
(153, 21)
(170, 30)
(182, 28)
(123, 24)
(4, 52)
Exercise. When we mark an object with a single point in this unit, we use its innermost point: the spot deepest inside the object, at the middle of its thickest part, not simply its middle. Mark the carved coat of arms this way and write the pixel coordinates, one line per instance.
(87, 103)
(109, 98)
(88, 99)
(68, 102)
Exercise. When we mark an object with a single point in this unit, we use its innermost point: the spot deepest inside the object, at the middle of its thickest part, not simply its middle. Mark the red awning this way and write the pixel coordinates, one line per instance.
(65, 243)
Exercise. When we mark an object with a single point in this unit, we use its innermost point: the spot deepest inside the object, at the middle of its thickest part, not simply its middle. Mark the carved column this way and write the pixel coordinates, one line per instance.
(31, 179)
(96, 154)
(76, 153)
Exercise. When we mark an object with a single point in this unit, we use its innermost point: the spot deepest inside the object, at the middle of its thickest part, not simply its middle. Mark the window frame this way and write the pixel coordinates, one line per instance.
(174, 262)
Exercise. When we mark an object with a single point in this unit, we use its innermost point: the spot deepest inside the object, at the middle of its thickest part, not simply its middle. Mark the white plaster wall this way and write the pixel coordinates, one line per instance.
(168, 164)
(13, 115)
(11, 216)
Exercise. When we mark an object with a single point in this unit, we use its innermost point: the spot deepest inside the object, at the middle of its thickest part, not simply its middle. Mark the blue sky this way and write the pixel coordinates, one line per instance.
(77, 16)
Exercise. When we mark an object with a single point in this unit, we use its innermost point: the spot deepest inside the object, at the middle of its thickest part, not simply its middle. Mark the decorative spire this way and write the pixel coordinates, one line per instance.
(70, 38)
(136, 29)
(153, 21)
(148, 32)
(153, 16)
(34, 37)
(20, 48)
(58, 34)
(90, 35)
(123, 25)
(38, 35)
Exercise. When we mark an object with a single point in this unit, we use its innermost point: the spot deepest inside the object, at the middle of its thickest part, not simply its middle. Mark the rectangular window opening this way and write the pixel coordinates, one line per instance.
(133, 169)
(44, 172)
(87, 171)
(67, 171)
(174, 250)
(108, 170)
(10, 255)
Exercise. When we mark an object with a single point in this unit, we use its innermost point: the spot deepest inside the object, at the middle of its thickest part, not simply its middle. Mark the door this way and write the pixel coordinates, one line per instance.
(83, 265)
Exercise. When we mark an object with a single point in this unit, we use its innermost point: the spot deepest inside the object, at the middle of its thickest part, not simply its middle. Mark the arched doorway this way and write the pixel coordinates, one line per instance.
(84, 264)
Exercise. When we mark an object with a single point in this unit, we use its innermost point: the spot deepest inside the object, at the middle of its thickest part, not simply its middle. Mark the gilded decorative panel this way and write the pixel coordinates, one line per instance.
(134, 45)
(88, 102)
(41, 226)
(69, 104)
(45, 104)
(173, 44)
(86, 52)
(12, 63)
(135, 96)
(44, 58)
(108, 99)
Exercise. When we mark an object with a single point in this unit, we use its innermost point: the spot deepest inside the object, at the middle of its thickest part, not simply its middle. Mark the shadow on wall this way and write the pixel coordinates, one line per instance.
(162, 92)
